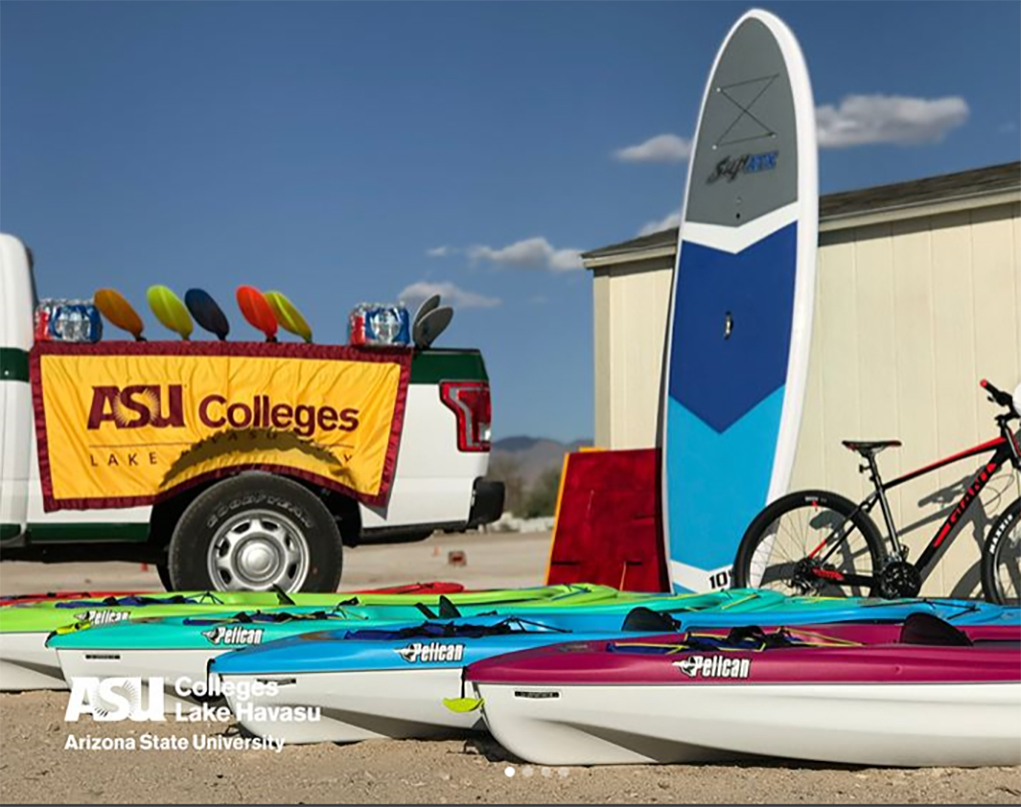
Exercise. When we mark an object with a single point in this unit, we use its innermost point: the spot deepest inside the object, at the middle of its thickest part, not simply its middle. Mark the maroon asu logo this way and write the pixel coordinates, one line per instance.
(137, 406)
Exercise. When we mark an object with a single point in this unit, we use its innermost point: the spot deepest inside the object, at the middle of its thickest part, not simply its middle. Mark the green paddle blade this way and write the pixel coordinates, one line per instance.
(169, 310)
(288, 315)
(463, 705)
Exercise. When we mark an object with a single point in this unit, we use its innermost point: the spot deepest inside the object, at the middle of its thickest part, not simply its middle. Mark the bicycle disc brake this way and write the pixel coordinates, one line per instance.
(899, 579)
(805, 579)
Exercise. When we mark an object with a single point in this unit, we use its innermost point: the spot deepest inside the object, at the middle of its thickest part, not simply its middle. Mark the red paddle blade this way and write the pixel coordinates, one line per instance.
(257, 311)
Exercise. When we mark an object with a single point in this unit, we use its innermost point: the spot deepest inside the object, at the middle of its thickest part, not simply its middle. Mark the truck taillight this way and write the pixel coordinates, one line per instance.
(469, 400)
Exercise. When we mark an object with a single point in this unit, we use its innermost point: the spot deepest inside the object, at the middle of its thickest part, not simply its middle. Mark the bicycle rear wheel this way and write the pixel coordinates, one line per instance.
(807, 543)
(1001, 558)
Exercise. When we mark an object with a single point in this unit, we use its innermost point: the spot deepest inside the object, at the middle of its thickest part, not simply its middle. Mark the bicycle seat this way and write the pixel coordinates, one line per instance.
(869, 448)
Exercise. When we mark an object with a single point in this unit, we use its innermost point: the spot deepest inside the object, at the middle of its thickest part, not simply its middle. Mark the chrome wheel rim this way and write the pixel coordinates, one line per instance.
(256, 551)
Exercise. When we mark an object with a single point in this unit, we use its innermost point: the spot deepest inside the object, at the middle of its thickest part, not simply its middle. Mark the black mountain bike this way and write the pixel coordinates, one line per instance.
(817, 542)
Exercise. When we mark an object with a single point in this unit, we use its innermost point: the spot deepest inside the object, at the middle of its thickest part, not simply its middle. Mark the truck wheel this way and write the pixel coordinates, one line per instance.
(254, 532)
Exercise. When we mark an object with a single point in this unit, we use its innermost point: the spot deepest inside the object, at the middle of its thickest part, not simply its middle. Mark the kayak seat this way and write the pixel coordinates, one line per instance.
(869, 448)
(927, 629)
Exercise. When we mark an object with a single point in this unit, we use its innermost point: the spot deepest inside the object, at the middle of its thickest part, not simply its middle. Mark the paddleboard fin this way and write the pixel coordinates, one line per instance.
(928, 629)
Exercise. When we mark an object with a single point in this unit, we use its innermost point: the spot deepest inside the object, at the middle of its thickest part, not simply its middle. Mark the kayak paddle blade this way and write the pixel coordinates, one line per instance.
(463, 705)
(287, 315)
(427, 329)
(207, 312)
(119, 312)
(170, 311)
(429, 304)
(257, 312)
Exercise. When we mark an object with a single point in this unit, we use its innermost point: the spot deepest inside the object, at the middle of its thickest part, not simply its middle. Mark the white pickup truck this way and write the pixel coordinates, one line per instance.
(255, 529)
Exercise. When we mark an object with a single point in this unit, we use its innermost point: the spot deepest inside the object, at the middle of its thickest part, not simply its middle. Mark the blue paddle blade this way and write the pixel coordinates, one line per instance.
(207, 313)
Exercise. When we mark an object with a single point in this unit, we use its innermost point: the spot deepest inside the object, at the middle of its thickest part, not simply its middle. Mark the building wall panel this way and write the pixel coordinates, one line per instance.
(909, 315)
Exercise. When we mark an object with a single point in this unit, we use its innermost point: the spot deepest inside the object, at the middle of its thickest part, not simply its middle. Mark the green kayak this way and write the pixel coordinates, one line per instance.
(26, 662)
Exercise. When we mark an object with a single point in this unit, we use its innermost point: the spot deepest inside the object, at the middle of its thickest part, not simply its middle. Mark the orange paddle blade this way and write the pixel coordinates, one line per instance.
(257, 311)
(120, 312)
(169, 310)
(288, 315)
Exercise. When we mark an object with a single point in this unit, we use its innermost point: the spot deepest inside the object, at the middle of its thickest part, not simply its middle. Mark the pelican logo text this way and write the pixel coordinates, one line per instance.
(731, 167)
(137, 406)
(233, 634)
(432, 652)
(714, 667)
(102, 617)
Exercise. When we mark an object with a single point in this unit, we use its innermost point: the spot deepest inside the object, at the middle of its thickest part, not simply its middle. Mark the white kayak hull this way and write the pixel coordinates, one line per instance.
(26, 663)
(353, 706)
(180, 670)
(903, 725)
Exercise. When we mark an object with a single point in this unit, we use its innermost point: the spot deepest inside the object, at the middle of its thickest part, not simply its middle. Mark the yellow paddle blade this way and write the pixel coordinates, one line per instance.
(120, 312)
(462, 705)
(169, 310)
(73, 628)
(288, 315)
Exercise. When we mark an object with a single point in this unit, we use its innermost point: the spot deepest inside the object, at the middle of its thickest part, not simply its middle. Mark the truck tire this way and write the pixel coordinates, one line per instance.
(256, 532)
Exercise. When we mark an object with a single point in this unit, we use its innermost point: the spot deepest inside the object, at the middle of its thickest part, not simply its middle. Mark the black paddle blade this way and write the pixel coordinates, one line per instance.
(923, 628)
(207, 313)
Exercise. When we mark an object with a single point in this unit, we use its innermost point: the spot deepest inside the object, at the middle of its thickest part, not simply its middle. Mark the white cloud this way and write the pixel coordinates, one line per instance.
(866, 119)
(450, 293)
(438, 252)
(530, 253)
(664, 148)
(671, 220)
(859, 120)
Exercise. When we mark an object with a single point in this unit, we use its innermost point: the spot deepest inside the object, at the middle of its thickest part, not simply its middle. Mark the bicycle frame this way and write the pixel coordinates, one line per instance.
(1004, 449)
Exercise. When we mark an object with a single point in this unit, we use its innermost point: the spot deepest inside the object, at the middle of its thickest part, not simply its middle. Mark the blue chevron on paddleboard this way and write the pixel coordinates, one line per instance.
(721, 379)
(719, 501)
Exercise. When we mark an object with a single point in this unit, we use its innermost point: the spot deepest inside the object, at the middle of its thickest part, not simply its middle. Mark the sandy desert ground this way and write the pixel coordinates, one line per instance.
(36, 766)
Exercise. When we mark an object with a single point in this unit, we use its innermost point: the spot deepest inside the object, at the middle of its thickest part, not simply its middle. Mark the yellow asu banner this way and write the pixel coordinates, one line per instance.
(124, 423)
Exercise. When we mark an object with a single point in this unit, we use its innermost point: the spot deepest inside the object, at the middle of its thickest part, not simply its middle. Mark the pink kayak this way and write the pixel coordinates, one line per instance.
(852, 694)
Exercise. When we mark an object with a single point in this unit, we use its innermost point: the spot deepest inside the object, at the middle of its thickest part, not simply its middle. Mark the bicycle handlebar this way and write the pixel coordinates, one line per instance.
(998, 396)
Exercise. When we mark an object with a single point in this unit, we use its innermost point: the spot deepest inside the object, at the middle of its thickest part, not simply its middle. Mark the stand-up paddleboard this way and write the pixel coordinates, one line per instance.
(741, 309)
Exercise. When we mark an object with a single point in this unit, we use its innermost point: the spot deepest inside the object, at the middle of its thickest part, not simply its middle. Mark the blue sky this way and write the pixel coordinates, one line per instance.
(344, 152)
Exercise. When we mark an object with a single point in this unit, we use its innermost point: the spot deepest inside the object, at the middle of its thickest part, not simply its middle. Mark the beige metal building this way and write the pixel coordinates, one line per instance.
(918, 298)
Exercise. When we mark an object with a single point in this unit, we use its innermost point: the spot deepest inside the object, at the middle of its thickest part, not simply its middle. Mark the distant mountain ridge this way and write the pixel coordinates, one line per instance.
(533, 455)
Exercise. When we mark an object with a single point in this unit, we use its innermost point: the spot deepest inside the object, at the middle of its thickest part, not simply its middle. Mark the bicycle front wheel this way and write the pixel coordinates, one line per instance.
(810, 543)
(1001, 558)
